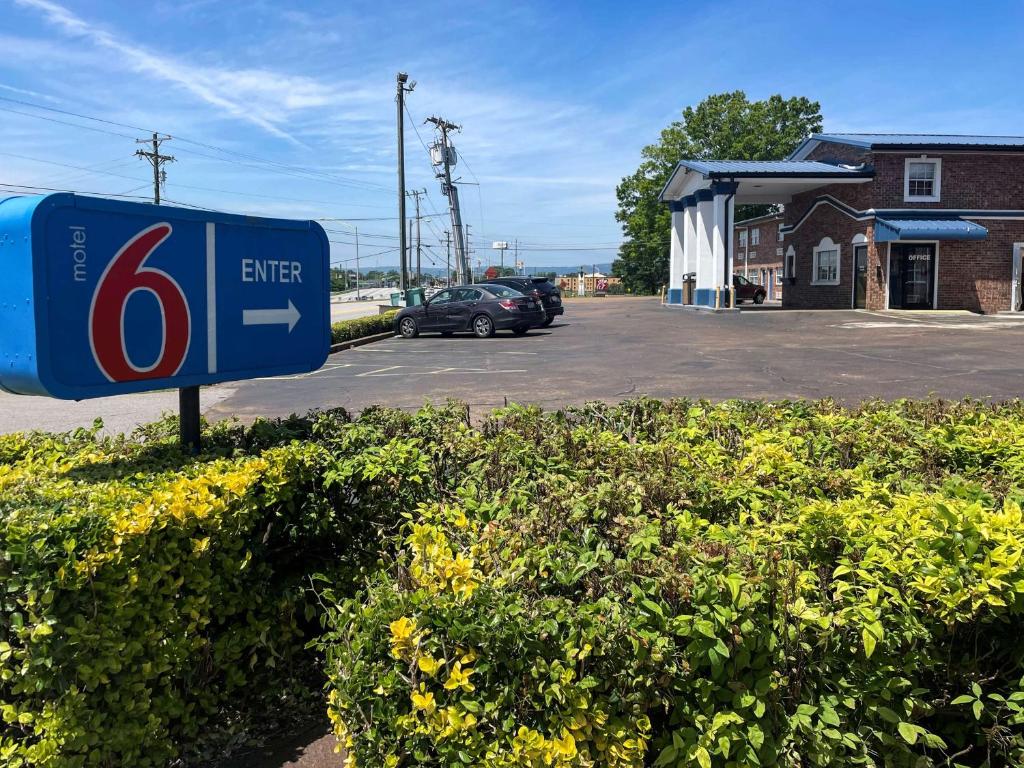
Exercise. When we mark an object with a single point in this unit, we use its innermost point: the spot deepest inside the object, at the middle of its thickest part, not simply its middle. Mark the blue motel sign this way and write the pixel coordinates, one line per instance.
(101, 297)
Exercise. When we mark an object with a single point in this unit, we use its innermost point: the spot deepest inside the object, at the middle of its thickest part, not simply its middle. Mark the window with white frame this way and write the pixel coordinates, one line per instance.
(825, 263)
(778, 277)
(752, 255)
(779, 235)
(743, 238)
(755, 236)
(922, 181)
(790, 262)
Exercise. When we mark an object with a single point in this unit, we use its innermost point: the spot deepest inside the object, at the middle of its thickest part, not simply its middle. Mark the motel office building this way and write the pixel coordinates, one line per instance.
(872, 221)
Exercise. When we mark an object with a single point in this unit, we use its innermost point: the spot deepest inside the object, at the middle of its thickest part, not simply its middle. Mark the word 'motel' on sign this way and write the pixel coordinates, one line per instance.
(102, 297)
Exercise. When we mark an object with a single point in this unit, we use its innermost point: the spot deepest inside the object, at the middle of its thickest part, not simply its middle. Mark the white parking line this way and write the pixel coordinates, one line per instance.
(380, 371)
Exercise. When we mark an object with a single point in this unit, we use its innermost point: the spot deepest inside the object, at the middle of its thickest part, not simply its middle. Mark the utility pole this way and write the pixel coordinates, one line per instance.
(517, 256)
(358, 296)
(402, 78)
(443, 155)
(188, 397)
(468, 252)
(419, 246)
(156, 160)
(408, 259)
(448, 258)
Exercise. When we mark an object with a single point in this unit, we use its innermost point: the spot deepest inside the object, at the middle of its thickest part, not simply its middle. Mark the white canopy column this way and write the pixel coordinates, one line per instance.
(704, 293)
(690, 242)
(677, 253)
(723, 208)
(682, 257)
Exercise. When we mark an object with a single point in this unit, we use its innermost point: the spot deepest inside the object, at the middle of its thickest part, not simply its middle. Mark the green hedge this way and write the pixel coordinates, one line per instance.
(645, 584)
(682, 584)
(157, 606)
(360, 327)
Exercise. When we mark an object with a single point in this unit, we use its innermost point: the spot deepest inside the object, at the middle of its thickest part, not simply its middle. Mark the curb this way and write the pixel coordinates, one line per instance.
(359, 342)
(702, 308)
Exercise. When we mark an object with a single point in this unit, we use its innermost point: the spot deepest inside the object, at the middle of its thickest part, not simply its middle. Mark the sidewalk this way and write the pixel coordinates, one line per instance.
(120, 414)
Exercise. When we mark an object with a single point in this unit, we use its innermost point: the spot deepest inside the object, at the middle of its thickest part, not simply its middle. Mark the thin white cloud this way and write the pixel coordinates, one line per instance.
(25, 92)
(260, 97)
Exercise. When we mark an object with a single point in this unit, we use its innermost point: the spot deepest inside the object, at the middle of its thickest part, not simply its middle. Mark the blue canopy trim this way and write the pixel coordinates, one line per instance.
(887, 230)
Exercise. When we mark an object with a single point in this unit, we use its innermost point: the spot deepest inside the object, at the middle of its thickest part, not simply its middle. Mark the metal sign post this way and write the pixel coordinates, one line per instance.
(105, 297)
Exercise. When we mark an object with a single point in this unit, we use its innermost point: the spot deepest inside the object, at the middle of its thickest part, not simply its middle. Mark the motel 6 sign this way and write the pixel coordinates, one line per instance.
(101, 297)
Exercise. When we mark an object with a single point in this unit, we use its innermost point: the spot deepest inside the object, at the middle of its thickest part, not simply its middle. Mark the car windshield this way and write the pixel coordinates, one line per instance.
(502, 291)
(741, 280)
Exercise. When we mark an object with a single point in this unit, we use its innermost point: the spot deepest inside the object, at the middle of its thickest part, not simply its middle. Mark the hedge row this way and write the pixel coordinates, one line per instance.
(360, 327)
(158, 606)
(680, 584)
(645, 584)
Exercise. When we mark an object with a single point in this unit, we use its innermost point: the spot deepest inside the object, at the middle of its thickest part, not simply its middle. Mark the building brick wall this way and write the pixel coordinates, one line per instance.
(824, 222)
(977, 274)
(972, 180)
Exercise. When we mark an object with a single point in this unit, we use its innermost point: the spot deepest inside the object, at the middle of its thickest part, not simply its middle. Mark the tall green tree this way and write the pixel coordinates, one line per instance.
(723, 126)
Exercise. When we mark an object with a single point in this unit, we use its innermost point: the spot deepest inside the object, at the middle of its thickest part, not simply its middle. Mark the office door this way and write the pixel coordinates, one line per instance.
(860, 276)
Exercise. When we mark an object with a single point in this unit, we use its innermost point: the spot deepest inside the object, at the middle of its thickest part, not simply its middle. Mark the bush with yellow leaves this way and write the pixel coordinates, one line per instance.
(156, 606)
(680, 584)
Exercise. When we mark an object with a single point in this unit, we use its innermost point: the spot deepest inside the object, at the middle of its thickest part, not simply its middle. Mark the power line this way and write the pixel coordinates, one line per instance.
(200, 188)
(303, 172)
(18, 187)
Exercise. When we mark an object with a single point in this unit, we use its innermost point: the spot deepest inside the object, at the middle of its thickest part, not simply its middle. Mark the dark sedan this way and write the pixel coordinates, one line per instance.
(540, 288)
(482, 309)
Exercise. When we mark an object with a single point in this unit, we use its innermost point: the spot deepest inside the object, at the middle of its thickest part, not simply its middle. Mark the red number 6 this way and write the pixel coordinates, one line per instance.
(125, 275)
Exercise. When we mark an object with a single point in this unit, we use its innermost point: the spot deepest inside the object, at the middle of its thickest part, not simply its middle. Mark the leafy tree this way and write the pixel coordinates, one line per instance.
(724, 125)
(338, 280)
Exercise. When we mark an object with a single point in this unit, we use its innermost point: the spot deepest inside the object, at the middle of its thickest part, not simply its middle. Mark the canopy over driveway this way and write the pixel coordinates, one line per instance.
(702, 195)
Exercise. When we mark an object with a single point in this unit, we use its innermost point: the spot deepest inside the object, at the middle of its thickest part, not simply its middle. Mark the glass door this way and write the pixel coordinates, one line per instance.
(860, 276)
(912, 275)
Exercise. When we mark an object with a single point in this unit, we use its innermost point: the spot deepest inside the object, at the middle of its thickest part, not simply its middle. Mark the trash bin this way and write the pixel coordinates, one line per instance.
(689, 286)
(413, 297)
(396, 299)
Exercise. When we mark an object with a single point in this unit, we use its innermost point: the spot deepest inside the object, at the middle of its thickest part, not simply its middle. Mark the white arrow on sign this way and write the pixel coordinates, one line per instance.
(289, 316)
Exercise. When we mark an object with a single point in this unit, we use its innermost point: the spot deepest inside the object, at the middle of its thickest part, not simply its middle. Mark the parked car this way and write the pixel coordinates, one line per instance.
(538, 287)
(748, 291)
(482, 309)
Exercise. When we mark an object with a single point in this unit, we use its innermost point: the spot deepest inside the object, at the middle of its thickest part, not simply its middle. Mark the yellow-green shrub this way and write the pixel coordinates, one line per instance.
(157, 605)
(677, 585)
(360, 327)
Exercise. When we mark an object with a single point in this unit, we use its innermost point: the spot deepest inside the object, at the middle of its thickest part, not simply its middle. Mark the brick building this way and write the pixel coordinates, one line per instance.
(876, 221)
(593, 282)
(759, 252)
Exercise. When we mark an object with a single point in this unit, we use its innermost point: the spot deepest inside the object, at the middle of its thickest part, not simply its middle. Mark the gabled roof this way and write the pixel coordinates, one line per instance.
(912, 141)
(741, 169)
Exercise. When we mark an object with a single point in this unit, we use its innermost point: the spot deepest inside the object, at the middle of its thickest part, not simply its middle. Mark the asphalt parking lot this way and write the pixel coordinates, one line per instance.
(613, 348)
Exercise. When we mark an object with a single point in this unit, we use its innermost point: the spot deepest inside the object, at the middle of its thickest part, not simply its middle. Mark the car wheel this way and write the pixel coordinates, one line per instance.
(408, 328)
(548, 322)
(521, 330)
(483, 326)
(759, 298)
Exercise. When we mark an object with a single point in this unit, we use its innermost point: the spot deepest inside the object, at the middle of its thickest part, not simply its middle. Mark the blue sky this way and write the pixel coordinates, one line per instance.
(556, 99)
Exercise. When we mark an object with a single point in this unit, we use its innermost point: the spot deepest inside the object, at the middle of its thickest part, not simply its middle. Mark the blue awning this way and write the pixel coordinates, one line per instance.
(927, 229)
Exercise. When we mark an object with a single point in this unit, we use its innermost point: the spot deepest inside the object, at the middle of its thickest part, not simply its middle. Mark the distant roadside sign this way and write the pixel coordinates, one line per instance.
(103, 297)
